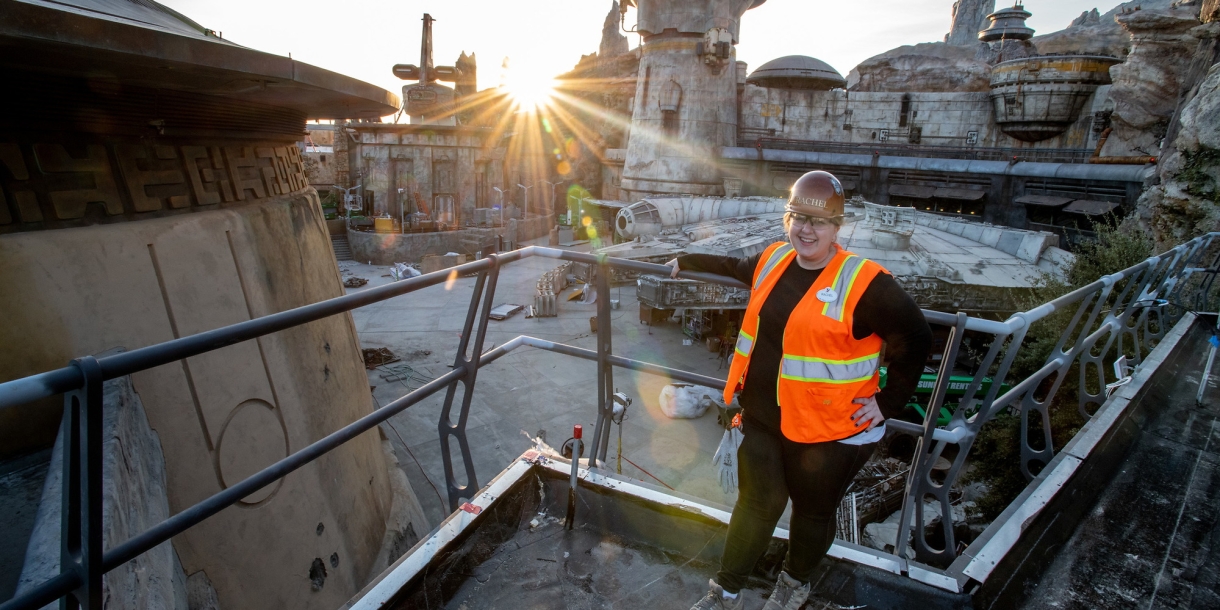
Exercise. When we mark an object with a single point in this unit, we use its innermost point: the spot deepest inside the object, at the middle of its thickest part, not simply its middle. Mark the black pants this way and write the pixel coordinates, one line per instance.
(772, 469)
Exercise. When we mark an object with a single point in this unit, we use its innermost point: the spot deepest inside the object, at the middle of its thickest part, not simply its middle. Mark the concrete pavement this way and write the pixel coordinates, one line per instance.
(532, 390)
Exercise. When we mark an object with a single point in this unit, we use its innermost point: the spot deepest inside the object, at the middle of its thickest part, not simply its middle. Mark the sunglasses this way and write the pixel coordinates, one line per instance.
(800, 220)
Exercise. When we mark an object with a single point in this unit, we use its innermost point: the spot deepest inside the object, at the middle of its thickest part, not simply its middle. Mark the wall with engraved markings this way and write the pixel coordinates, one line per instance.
(46, 185)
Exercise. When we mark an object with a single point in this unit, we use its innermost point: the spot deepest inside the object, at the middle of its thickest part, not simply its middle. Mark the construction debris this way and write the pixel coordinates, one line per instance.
(402, 271)
(375, 357)
(406, 374)
(550, 284)
(354, 282)
(686, 401)
(504, 311)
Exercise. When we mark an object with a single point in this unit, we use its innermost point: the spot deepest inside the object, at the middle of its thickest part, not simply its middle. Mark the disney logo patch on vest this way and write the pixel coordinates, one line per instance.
(827, 295)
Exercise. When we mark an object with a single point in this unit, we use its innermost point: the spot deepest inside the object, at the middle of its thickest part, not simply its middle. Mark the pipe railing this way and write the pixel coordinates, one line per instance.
(1149, 288)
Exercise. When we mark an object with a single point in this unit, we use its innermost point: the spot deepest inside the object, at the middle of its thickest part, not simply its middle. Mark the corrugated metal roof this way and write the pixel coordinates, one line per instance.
(1091, 208)
(1042, 200)
(913, 191)
(960, 194)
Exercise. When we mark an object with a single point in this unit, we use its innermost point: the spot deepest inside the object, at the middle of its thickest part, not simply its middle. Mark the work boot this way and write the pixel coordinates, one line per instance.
(788, 594)
(715, 599)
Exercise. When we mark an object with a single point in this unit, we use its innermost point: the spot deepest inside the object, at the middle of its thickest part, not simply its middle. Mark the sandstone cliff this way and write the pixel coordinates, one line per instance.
(613, 42)
(597, 94)
(1148, 86)
(1088, 38)
(929, 66)
(1186, 203)
(1096, 34)
(1003, 50)
(968, 18)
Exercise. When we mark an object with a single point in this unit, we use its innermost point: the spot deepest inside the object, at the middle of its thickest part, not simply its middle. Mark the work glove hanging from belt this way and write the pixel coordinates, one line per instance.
(726, 454)
(726, 415)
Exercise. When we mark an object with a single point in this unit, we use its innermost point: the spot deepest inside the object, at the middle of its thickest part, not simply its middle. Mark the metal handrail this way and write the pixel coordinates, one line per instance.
(1155, 281)
(58, 381)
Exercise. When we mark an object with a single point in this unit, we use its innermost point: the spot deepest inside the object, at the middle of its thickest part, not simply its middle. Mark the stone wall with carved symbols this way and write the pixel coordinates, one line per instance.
(48, 184)
(152, 187)
(142, 244)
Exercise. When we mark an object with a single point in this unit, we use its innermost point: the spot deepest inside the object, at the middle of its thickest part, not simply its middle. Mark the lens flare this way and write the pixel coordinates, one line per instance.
(530, 91)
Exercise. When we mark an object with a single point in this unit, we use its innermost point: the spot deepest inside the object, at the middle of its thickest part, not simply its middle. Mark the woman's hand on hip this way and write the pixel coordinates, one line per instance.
(673, 272)
(868, 416)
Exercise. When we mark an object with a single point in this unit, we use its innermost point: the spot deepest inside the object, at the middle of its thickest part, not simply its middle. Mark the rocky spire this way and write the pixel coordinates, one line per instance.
(969, 17)
(1087, 18)
(613, 42)
(467, 80)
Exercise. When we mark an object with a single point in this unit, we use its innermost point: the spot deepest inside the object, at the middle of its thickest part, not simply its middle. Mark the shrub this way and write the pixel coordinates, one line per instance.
(996, 455)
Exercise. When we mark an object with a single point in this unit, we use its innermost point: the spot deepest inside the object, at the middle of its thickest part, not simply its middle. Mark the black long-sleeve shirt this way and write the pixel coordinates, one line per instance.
(885, 309)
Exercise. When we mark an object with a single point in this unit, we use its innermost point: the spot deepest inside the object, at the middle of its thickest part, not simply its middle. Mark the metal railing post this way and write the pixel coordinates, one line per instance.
(81, 521)
(485, 286)
(920, 483)
(605, 371)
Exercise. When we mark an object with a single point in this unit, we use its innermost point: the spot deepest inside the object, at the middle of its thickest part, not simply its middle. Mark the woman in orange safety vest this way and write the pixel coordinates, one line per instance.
(805, 373)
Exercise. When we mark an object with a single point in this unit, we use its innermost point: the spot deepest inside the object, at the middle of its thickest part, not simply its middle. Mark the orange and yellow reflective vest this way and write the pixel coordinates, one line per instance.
(823, 367)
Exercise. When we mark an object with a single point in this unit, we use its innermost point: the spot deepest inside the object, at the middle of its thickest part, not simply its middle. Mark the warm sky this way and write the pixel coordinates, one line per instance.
(543, 38)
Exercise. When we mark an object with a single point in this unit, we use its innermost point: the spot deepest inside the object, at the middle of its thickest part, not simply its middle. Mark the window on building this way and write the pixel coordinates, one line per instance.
(669, 122)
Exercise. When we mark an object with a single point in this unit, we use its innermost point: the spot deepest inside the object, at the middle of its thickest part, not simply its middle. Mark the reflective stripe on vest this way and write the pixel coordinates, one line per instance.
(821, 370)
(745, 343)
(843, 284)
(778, 255)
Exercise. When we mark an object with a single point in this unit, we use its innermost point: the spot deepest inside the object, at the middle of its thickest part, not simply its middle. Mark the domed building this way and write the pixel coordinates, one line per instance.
(797, 72)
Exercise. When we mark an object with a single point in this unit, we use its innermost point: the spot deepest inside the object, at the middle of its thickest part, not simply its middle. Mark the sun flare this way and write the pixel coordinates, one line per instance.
(530, 91)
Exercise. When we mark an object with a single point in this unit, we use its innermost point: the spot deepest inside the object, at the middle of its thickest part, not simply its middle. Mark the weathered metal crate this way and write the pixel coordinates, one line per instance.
(665, 293)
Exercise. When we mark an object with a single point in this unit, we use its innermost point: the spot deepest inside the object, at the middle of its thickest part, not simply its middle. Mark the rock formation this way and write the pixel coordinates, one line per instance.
(1148, 86)
(1004, 50)
(134, 499)
(466, 86)
(1104, 37)
(613, 42)
(1087, 18)
(1096, 34)
(1186, 203)
(467, 79)
(1210, 11)
(604, 83)
(929, 66)
(969, 16)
